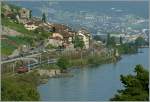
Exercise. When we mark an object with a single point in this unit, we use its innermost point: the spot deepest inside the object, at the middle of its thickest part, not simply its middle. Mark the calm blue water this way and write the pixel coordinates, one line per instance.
(92, 84)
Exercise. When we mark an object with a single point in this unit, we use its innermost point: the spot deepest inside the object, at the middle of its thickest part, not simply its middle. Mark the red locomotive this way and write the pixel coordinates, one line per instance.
(22, 69)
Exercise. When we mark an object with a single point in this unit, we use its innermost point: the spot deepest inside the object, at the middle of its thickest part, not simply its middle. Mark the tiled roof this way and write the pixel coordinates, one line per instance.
(63, 29)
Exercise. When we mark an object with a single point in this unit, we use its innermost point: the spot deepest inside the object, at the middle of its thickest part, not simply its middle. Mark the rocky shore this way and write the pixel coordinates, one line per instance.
(45, 74)
(49, 73)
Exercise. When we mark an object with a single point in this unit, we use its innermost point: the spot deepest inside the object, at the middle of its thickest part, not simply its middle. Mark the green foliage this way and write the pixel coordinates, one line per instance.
(127, 48)
(41, 34)
(78, 62)
(90, 60)
(63, 63)
(121, 42)
(20, 28)
(11, 43)
(98, 59)
(19, 89)
(29, 36)
(20, 39)
(78, 42)
(136, 86)
(97, 38)
(13, 8)
(16, 26)
(43, 17)
(49, 46)
(30, 14)
(110, 41)
(7, 48)
(140, 41)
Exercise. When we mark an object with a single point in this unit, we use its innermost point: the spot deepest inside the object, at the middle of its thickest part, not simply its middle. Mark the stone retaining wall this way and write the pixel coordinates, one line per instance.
(49, 73)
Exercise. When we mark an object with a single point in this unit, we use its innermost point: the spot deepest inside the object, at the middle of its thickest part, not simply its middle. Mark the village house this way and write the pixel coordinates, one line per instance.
(31, 26)
(24, 15)
(56, 40)
(45, 26)
(65, 34)
(85, 36)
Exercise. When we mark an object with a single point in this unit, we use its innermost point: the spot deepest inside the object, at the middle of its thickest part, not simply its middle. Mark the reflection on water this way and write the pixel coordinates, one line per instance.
(92, 84)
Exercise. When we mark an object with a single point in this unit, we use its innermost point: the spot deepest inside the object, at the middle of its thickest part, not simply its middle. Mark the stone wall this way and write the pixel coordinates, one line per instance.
(49, 73)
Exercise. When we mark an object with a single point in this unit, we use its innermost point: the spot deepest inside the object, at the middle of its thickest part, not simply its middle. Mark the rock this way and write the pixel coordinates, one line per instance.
(49, 73)
(43, 81)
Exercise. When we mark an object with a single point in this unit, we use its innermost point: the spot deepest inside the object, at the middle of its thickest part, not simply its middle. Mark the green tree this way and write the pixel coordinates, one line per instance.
(110, 41)
(136, 86)
(41, 34)
(30, 16)
(140, 41)
(127, 48)
(121, 42)
(63, 63)
(44, 17)
(78, 42)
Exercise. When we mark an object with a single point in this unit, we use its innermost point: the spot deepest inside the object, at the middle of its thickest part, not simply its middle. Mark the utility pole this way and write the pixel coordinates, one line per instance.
(13, 67)
(48, 58)
(29, 65)
(40, 60)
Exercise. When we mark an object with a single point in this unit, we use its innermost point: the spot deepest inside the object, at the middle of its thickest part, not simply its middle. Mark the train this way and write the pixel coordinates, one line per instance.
(22, 69)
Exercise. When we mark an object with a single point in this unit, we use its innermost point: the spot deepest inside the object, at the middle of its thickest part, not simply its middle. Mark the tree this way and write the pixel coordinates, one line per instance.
(41, 34)
(127, 48)
(78, 42)
(140, 41)
(30, 14)
(136, 86)
(121, 41)
(63, 63)
(110, 41)
(43, 17)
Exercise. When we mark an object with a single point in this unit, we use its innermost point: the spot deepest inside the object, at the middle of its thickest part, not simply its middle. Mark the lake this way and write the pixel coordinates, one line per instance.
(92, 84)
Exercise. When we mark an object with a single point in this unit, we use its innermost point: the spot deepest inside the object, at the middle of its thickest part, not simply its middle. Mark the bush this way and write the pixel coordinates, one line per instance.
(63, 63)
(16, 89)
(136, 87)
(127, 48)
(50, 46)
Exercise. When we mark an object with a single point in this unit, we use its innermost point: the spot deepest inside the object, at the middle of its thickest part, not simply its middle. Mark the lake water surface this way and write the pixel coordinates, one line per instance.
(92, 84)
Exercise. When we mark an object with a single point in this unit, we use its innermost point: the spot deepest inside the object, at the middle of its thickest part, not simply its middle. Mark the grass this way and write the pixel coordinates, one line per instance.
(7, 47)
(34, 35)
(50, 46)
(20, 87)
(91, 60)
(11, 43)
(16, 26)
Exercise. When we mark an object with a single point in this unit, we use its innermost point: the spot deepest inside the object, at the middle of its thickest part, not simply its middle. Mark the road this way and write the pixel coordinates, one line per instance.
(34, 65)
(28, 57)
